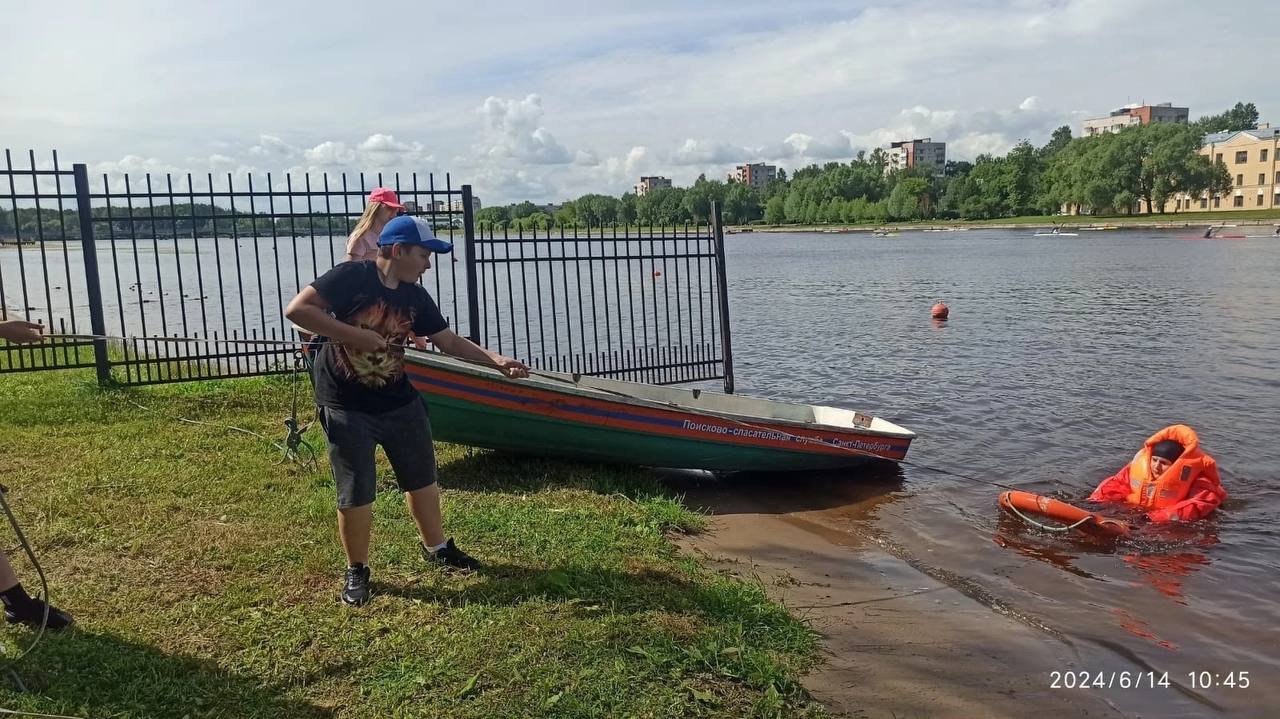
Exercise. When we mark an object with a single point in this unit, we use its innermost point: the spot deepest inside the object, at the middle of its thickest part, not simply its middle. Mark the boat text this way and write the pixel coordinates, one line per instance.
(775, 435)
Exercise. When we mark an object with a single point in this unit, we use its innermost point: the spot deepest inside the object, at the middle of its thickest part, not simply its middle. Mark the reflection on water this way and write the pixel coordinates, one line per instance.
(849, 494)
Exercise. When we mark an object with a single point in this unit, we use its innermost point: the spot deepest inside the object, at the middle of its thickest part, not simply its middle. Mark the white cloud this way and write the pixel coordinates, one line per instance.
(804, 146)
(501, 185)
(514, 131)
(629, 166)
(380, 151)
(273, 148)
(968, 133)
(221, 162)
(707, 152)
(330, 154)
(135, 166)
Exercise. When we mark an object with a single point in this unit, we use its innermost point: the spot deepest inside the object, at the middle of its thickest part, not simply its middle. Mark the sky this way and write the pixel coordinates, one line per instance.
(549, 101)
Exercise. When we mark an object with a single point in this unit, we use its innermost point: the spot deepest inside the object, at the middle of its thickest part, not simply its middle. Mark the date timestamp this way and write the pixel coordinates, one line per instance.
(1217, 680)
(1085, 679)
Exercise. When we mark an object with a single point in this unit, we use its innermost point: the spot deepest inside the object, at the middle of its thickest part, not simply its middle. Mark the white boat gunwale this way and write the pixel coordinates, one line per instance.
(565, 383)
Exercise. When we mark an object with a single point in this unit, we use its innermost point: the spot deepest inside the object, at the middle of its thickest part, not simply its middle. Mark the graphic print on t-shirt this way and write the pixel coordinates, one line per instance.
(381, 368)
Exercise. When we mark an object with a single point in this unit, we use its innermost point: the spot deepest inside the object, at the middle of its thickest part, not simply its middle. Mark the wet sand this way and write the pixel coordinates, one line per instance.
(897, 642)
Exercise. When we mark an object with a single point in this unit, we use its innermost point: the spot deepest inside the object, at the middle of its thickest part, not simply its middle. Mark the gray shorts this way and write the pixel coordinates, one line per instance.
(405, 436)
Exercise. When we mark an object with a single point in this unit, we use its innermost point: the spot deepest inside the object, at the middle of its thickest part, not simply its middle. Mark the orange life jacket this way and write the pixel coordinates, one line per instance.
(1174, 484)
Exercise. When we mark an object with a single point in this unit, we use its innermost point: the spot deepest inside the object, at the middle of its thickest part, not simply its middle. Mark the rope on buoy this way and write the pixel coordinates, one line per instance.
(1045, 527)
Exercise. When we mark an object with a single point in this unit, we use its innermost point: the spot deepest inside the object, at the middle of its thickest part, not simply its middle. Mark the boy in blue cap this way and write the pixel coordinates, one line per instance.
(368, 309)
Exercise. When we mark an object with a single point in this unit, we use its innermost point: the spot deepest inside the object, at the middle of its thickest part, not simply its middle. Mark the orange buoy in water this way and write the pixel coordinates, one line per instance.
(940, 311)
(1021, 504)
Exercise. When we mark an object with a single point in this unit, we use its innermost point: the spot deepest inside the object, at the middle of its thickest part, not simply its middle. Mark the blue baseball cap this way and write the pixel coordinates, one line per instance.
(412, 231)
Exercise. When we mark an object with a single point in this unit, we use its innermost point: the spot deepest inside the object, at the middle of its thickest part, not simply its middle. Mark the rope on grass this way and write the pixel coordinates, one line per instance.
(44, 586)
(15, 712)
(202, 423)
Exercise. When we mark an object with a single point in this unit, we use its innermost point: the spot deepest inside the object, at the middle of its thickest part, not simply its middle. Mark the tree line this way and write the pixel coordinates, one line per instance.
(1135, 170)
(180, 220)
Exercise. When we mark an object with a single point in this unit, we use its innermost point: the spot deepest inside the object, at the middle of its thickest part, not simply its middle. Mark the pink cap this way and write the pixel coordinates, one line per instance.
(386, 196)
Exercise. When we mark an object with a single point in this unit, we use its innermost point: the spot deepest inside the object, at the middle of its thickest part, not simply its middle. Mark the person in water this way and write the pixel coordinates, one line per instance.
(1170, 477)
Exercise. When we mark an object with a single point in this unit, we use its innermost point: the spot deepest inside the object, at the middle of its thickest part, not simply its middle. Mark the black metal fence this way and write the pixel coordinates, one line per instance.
(642, 304)
(160, 278)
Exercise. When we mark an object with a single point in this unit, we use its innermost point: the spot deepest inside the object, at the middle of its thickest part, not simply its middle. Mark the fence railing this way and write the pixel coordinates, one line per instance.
(162, 278)
(641, 304)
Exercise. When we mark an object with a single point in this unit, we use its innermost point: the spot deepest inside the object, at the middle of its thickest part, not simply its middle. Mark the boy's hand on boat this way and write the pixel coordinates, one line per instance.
(515, 369)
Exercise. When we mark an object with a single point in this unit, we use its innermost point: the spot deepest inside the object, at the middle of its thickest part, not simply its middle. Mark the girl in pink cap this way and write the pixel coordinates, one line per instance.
(383, 207)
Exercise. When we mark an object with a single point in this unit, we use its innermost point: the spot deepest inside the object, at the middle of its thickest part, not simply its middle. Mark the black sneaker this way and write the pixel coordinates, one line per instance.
(355, 591)
(33, 614)
(450, 556)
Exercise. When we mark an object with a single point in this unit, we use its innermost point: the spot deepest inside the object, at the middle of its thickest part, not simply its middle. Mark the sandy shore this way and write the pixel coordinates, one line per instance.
(898, 642)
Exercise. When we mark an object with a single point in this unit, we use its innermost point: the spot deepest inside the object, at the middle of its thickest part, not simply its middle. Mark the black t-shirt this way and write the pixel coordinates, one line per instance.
(371, 382)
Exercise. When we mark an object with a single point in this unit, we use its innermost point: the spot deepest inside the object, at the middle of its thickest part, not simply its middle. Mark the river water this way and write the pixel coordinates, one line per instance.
(1061, 356)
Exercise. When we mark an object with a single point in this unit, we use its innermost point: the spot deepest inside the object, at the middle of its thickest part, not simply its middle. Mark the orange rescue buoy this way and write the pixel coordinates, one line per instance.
(940, 311)
(1020, 504)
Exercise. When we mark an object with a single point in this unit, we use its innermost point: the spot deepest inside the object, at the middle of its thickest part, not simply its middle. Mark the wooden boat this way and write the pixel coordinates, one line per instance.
(597, 419)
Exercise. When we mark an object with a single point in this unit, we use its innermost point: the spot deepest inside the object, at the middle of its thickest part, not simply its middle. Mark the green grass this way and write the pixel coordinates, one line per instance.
(204, 578)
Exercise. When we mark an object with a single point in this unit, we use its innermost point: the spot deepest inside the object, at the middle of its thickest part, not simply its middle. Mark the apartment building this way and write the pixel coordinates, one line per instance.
(1131, 115)
(923, 154)
(649, 184)
(1250, 157)
(758, 175)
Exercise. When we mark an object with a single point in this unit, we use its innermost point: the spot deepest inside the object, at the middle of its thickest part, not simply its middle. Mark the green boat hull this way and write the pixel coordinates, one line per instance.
(474, 425)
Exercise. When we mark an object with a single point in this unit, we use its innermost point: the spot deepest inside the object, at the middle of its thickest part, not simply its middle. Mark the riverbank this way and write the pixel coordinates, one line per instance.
(204, 576)
(897, 641)
(1245, 218)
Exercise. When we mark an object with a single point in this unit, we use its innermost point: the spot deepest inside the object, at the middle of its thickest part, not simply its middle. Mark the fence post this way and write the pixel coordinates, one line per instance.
(469, 239)
(92, 284)
(726, 339)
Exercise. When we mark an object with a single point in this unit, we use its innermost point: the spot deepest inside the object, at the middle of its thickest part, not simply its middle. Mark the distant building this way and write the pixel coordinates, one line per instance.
(756, 174)
(457, 205)
(411, 207)
(649, 184)
(923, 154)
(1131, 115)
(1252, 158)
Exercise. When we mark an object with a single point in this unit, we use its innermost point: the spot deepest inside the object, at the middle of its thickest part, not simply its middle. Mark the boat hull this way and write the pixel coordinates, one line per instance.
(516, 416)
